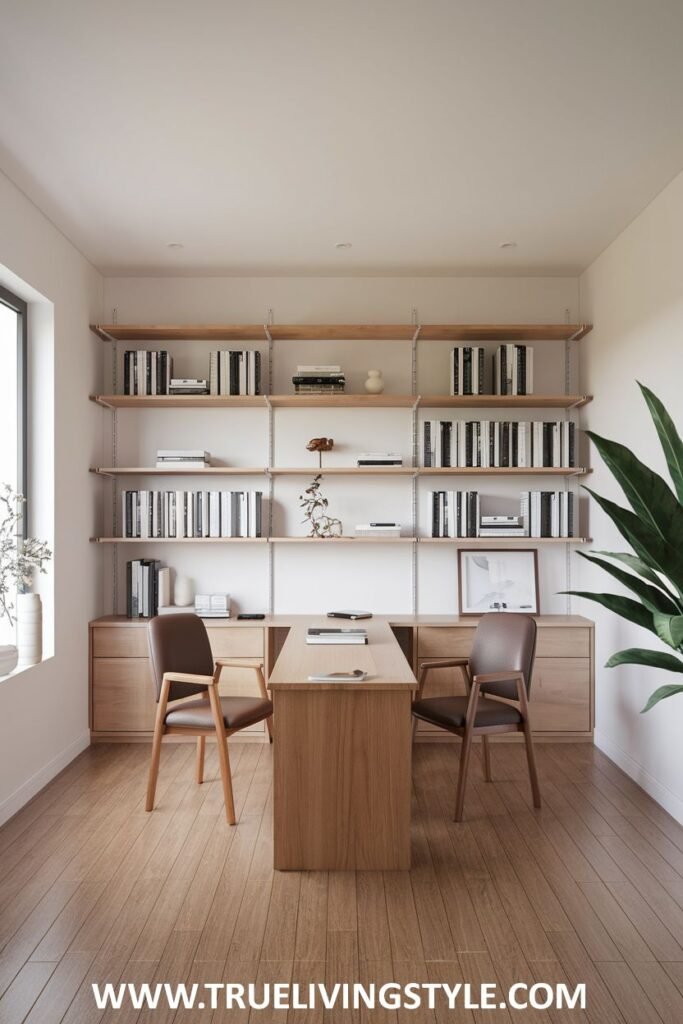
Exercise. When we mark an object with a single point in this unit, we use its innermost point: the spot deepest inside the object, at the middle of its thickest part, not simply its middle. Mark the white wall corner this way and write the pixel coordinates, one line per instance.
(667, 799)
(21, 796)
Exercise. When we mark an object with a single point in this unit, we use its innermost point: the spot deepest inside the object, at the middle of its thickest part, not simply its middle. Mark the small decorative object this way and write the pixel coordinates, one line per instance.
(29, 629)
(374, 385)
(183, 593)
(500, 580)
(320, 445)
(315, 511)
(19, 559)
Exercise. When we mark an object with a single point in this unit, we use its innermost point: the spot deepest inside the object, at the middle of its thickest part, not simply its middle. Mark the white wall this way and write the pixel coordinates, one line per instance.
(307, 579)
(44, 710)
(633, 293)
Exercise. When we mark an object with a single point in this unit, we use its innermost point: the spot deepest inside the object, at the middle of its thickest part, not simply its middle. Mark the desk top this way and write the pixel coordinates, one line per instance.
(381, 658)
(284, 620)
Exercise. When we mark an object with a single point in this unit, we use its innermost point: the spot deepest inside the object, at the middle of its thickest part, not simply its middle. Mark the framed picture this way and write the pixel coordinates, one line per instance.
(499, 580)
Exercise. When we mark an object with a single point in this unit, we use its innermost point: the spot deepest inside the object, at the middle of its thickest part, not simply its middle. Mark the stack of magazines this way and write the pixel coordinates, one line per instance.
(319, 380)
(324, 635)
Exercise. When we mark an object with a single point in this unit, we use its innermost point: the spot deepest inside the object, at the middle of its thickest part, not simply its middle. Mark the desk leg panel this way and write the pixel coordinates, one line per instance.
(342, 779)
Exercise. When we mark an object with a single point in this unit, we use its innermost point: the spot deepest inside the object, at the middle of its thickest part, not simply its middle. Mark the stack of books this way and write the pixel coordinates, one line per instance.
(455, 513)
(378, 530)
(142, 588)
(379, 459)
(319, 380)
(212, 606)
(513, 370)
(235, 373)
(177, 514)
(548, 513)
(504, 443)
(188, 386)
(324, 635)
(182, 458)
(502, 526)
(147, 373)
(467, 370)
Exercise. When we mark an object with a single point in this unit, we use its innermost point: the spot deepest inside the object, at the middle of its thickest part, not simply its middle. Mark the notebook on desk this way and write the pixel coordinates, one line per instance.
(323, 635)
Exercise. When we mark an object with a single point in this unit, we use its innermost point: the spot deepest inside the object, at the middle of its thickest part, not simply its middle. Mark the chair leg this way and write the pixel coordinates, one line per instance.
(224, 761)
(462, 777)
(531, 760)
(201, 744)
(486, 755)
(269, 727)
(154, 765)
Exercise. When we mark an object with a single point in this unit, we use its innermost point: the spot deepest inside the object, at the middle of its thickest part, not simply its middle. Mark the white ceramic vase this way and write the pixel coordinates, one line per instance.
(9, 657)
(183, 594)
(374, 385)
(29, 629)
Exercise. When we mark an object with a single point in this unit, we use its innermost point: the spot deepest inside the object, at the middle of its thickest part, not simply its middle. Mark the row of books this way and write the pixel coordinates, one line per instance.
(235, 372)
(142, 588)
(542, 514)
(177, 514)
(147, 373)
(487, 443)
(512, 370)
(319, 379)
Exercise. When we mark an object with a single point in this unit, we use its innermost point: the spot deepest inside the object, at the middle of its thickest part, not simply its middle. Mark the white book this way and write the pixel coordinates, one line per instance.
(318, 368)
(214, 514)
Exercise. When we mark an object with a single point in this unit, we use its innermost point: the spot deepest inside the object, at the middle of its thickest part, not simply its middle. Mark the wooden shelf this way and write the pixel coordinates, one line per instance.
(180, 401)
(342, 540)
(346, 401)
(344, 471)
(153, 471)
(339, 332)
(485, 542)
(503, 401)
(179, 540)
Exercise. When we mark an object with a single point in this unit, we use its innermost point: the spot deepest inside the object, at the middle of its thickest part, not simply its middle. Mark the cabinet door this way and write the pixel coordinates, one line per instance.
(123, 695)
(560, 695)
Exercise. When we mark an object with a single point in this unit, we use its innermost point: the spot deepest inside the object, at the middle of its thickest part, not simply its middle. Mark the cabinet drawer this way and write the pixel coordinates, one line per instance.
(123, 694)
(568, 642)
(560, 695)
(120, 642)
(240, 642)
(444, 641)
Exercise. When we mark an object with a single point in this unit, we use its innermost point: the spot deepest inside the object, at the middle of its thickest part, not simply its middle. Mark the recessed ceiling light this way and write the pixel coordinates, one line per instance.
(175, 245)
(508, 245)
(342, 245)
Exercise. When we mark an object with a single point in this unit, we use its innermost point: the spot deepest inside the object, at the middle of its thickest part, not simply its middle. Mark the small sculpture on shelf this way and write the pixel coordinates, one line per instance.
(320, 445)
(315, 512)
(374, 385)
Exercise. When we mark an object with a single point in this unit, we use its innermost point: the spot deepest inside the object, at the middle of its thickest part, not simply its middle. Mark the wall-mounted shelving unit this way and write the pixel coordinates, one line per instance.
(270, 334)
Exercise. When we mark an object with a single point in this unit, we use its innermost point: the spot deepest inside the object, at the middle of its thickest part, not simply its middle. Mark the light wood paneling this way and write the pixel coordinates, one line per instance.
(240, 642)
(122, 695)
(119, 642)
(560, 695)
(551, 642)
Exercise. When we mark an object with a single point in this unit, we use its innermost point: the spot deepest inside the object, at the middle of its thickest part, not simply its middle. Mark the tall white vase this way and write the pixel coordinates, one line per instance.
(29, 629)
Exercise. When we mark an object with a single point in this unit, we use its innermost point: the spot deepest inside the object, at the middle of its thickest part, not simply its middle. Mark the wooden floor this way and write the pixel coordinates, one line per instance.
(590, 889)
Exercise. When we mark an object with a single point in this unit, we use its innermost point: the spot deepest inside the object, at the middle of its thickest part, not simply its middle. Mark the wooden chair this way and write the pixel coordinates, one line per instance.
(497, 682)
(183, 667)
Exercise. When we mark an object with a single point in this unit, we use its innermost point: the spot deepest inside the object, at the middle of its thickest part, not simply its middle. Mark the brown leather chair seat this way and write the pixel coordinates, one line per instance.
(451, 712)
(238, 712)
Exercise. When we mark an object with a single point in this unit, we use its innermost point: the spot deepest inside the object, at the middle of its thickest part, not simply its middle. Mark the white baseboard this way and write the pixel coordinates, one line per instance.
(664, 797)
(28, 789)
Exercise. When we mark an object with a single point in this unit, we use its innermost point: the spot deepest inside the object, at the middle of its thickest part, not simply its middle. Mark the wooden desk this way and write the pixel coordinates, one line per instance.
(342, 754)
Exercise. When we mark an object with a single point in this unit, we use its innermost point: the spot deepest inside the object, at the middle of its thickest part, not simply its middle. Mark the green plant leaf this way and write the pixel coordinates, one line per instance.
(634, 611)
(669, 438)
(641, 656)
(647, 492)
(661, 694)
(638, 566)
(653, 598)
(662, 554)
(669, 629)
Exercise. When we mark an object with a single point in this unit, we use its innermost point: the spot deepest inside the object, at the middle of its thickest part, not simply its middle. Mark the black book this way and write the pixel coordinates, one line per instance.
(435, 514)
(234, 373)
(427, 443)
(126, 373)
(129, 590)
(503, 370)
(514, 427)
(445, 443)
(480, 389)
(469, 443)
(505, 443)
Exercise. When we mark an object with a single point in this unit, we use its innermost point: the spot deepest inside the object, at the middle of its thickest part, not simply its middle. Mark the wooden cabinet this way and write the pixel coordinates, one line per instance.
(122, 690)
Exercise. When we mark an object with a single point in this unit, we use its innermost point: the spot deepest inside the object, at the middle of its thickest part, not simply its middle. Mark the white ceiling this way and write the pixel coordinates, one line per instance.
(258, 134)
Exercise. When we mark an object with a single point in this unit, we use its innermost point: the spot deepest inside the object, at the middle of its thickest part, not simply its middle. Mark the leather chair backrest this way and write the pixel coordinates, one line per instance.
(179, 643)
(504, 641)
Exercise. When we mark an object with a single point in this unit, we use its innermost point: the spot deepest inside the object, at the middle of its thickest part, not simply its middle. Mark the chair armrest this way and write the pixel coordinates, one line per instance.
(445, 663)
(190, 677)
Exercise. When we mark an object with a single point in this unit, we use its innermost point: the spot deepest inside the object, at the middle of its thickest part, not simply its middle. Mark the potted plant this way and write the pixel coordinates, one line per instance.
(19, 559)
(653, 527)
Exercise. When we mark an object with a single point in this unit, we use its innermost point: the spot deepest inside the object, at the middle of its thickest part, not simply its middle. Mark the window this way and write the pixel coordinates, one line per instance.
(12, 406)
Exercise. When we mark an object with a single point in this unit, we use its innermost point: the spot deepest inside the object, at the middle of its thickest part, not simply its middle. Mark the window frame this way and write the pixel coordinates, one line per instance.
(20, 307)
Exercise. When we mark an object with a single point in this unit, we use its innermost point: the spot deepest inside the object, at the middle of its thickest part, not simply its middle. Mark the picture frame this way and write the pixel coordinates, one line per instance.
(497, 580)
